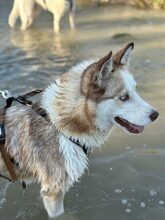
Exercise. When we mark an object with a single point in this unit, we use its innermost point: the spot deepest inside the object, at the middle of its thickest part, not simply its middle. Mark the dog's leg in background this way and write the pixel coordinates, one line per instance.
(56, 22)
(53, 201)
(26, 13)
(14, 14)
(71, 19)
(72, 14)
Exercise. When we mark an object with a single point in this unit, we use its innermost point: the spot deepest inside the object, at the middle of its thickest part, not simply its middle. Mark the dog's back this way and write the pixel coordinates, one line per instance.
(33, 143)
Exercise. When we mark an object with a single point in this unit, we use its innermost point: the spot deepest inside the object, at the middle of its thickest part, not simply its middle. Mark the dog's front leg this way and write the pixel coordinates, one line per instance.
(56, 23)
(26, 13)
(14, 14)
(53, 201)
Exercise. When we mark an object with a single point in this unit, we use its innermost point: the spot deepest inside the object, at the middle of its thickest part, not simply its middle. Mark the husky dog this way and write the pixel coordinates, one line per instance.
(82, 106)
(27, 10)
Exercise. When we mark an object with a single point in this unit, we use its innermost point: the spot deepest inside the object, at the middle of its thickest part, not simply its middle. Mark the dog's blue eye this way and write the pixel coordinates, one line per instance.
(124, 97)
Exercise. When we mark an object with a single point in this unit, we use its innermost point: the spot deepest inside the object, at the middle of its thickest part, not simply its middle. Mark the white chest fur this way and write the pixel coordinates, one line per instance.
(75, 159)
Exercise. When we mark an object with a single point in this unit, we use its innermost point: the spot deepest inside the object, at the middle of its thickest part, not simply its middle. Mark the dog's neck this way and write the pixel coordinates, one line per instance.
(69, 117)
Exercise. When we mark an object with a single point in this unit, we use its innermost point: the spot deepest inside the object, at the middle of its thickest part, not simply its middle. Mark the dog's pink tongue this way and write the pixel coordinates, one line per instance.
(138, 128)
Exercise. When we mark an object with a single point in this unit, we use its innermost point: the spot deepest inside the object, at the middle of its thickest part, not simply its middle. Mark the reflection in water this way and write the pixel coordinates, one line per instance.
(31, 59)
(126, 180)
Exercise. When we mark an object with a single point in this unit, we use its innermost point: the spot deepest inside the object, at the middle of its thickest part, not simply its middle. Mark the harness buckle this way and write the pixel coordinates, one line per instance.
(5, 94)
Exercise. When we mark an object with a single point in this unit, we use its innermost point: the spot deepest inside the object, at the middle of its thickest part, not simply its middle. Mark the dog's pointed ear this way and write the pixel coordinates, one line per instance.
(122, 57)
(104, 66)
(96, 76)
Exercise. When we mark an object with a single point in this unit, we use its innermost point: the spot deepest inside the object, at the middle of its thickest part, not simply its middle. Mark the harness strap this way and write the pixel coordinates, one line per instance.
(5, 177)
(30, 94)
(82, 146)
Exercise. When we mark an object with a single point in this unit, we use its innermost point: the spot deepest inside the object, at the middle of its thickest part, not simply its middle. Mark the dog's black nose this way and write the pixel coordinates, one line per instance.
(154, 115)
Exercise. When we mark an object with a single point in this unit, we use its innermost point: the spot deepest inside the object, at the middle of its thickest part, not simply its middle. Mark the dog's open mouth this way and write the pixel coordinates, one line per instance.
(132, 128)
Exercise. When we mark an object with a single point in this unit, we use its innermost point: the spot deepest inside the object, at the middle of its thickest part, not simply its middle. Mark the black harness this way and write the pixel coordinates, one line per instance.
(24, 101)
(84, 148)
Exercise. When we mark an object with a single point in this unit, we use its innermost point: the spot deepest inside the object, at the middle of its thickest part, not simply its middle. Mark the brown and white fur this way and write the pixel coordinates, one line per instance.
(27, 10)
(84, 104)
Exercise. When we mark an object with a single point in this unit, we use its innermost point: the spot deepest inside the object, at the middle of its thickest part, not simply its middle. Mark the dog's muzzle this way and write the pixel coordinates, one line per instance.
(132, 128)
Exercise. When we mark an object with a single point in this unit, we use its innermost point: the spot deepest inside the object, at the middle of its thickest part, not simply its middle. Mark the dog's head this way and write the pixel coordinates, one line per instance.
(95, 95)
(109, 83)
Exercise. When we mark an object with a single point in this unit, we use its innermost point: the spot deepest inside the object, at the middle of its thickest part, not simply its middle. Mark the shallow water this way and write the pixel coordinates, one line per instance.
(126, 179)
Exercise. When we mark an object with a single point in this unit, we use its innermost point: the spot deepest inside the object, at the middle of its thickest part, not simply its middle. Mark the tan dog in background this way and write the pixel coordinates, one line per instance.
(27, 10)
